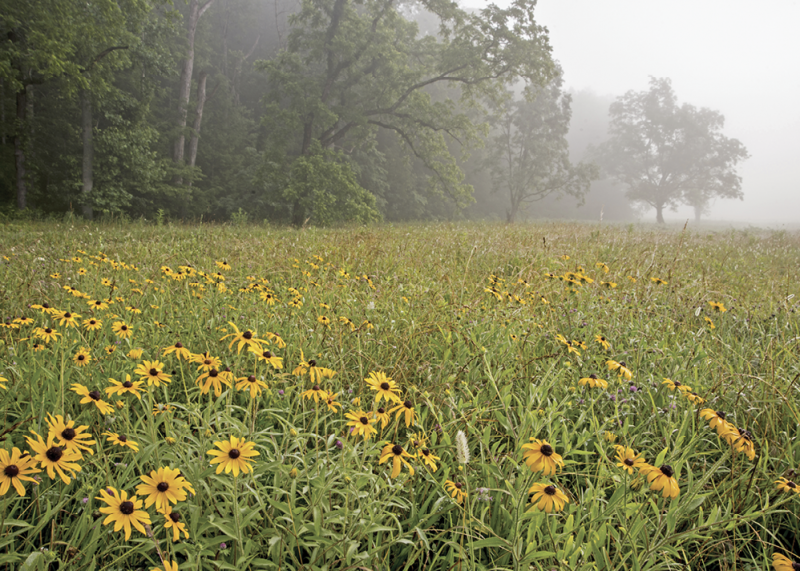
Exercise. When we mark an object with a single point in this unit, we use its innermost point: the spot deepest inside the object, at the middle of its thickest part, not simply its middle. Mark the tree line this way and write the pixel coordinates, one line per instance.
(321, 112)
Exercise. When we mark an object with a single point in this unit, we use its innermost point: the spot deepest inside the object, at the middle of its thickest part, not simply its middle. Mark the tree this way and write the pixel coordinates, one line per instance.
(352, 68)
(668, 154)
(529, 154)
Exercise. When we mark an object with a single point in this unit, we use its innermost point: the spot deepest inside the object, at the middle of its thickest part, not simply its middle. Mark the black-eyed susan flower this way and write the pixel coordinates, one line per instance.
(173, 522)
(74, 438)
(123, 512)
(92, 324)
(384, 386)
(152, 372)
(180, 351)
(92, 397)
(397, 455)
(316, 392)
(331, 403)
(716, 420)
(741, 440)
(382, 416)
(629, 460)
(3, 383)
(14, 469)
(594, 382)
(126, 386)
(314, 371)
(206, 362)
(23, 320)
(162, 487)
(54, 459)
(717, 306)
(323, 320)
(277, 339)
(428, 458)
(361, 424)
(268, 357)
(540, 456)
(83, 357)
(406, 410)
(66, 318)
(662, 479)
(223, 265)
(46, 334)
(121, 440)
(621, 367)
(251, 383)
(571, 346)
(122, 330)
(212, 378)
(109, 349)
(235, 454)
(785, 485)
(135, 354)
(348, 322)
(547, 498)
(602, 341)
(160, 408)
(658, 281)
(709, 322)
(269, 297)
(673, 385)
(782, 563)
(245, 338)
(97, 304)
(456, 490)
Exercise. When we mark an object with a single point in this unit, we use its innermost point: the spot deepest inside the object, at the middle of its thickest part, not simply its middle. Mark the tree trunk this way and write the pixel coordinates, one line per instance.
(195, 11)
(19, 148)
(659, 213)
(698, 211)
(88, 154)
(2, 111)
(198, 119)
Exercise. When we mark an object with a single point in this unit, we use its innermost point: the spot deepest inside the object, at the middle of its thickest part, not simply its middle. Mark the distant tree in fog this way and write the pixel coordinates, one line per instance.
(668, 154)
(529, 154)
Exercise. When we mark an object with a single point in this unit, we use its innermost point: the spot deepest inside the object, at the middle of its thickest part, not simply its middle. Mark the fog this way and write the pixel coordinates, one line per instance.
(737, 57)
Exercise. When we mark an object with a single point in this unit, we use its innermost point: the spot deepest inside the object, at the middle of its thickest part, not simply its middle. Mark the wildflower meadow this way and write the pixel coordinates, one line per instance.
(439, 397)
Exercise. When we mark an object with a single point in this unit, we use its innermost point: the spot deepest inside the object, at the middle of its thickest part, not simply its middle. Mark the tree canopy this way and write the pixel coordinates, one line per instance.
(669, 154)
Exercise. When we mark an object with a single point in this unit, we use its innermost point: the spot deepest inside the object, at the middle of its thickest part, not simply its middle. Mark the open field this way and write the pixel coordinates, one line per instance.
(640, 385)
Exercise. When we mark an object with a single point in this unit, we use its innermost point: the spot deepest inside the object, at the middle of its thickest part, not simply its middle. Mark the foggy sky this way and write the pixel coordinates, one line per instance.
(739, 57)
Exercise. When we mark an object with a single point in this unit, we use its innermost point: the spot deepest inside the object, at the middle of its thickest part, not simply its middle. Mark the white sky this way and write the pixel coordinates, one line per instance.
(739, 57)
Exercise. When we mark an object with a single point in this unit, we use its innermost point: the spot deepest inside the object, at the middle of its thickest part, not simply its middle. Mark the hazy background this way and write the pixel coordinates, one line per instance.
(738, 57)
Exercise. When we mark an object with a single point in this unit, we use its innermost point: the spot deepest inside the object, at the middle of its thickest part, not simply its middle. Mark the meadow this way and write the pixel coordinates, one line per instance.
(439, 397)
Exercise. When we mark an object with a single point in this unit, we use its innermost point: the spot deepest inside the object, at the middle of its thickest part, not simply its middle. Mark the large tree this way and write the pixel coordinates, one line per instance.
(352, 68)
(668, 154)
(528, 153)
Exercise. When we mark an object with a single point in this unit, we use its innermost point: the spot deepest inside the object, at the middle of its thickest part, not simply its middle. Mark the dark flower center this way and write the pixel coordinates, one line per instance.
(667, 470)
(676, 383)
(54, 454)
(381, 410)
(92, 322)
(126, 508)
(251, 379)
(178, 345)
(546, 450)
(213, 373)
(312, 363)
(81, 357)
(795, 566)
(791, 484)
(247, 335)
(384, 386)
(175, 517)
(364, 420)
(408, 404)
(127, 384)
(46, 306)
(622, 364)
(95, 395)
(153, 372)
(397, 450)
(48, 331)
(628, 462)
(592, 376)
(315, 388)
(459, 485)
(67, 315)
(745, 434)
(550, 490)
(267, 355)
(426, 452)
(68, 433)
(124, 328)
(207, 362)
(721, 414)
(11, 471)
(122, 438)
(234, 453)
(98, 303)
(162, 487)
